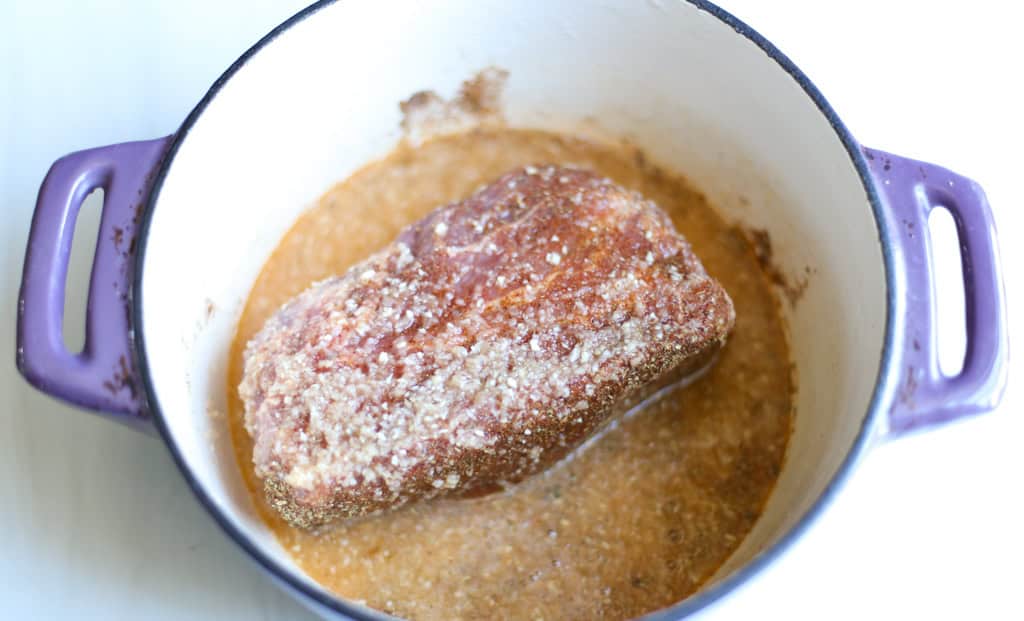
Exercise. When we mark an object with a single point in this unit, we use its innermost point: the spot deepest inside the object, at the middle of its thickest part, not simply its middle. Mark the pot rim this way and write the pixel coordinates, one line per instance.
(703, 598)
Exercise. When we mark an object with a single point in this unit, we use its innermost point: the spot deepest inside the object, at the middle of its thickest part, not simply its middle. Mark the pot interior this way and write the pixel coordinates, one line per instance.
(321, 99)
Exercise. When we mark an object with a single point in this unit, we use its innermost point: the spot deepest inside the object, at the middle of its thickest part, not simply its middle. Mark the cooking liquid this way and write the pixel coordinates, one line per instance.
(635, 522)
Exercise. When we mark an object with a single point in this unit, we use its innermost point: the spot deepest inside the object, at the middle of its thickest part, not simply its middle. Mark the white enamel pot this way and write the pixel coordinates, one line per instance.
(190, 219)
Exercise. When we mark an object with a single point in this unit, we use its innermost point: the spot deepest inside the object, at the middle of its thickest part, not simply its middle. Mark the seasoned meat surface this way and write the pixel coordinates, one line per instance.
(489, 340)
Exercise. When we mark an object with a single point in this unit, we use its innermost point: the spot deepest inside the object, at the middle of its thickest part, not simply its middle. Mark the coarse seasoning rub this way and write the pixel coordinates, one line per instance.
(489, 340)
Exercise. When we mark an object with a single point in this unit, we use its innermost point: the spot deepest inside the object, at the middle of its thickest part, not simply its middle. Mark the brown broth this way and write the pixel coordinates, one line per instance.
(638, 520)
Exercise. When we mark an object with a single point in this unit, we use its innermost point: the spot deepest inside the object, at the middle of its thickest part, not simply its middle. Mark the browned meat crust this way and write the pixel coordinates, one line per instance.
(490, 339)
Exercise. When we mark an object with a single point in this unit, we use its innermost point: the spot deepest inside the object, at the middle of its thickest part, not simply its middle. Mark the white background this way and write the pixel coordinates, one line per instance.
(97, 523)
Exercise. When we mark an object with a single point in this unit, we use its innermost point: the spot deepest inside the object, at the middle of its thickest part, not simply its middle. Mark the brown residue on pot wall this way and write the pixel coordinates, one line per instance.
(478, 102)
(793, 288)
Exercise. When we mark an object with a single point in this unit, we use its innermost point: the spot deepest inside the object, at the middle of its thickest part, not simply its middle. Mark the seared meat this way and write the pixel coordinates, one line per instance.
(489, 340)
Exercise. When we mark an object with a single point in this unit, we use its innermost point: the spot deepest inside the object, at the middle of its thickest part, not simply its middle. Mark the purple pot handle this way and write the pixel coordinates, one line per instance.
(103, 376)
(925, 395)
